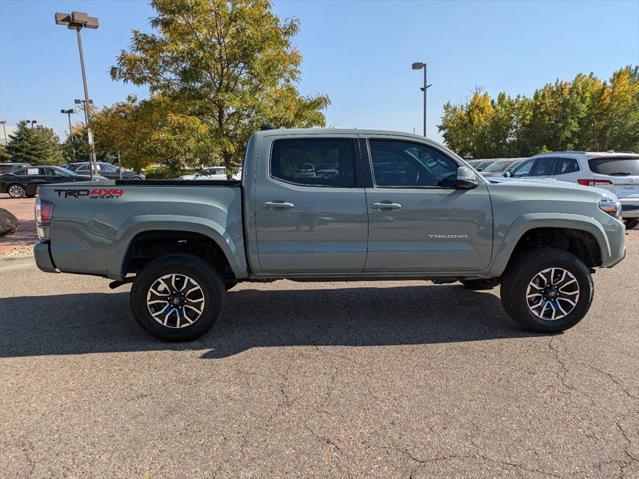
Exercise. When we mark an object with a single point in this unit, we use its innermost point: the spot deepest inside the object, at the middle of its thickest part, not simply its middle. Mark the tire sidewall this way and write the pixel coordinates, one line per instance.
(202, 273)
(517, 290)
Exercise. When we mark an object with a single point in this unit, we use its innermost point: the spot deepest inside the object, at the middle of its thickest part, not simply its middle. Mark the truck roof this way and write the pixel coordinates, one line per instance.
(337, 131)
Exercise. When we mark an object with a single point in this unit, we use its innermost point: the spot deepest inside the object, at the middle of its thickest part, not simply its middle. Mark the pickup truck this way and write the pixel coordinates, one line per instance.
(329, 204)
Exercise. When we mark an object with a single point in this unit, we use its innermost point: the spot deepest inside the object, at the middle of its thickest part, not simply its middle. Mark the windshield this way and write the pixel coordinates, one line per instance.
(499, 165)
(615, 166)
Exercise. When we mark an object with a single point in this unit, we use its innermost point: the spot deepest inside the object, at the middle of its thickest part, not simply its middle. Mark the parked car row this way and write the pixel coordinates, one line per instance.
(22, 182)
(23, 179)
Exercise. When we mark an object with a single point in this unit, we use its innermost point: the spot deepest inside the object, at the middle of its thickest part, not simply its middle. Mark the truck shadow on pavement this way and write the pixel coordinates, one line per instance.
(367, 316)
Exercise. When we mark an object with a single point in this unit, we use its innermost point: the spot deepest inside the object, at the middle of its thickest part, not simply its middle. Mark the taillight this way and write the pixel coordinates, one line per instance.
(43, 211)
(586, 182)
(43, 214)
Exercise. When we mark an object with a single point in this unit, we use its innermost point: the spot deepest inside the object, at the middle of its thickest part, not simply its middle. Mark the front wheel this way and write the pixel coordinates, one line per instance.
(547, 290)
(177, 297)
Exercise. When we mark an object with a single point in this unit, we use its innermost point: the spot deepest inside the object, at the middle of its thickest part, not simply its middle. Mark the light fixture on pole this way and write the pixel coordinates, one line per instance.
(69, 112)
(77, 21)
(33, 122)
(422, 66)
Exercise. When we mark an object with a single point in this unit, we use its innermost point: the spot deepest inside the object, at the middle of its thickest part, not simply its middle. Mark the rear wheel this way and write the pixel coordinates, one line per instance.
(177, 297)
(631, 223)
(547, 290)
(16, 191)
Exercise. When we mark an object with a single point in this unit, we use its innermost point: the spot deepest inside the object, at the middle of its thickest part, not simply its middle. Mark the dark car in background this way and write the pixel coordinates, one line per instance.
(25, 181)
(105, 169)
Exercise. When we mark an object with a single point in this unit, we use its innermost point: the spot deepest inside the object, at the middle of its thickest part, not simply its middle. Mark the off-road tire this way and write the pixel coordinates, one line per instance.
(518, 276)
(209, 282)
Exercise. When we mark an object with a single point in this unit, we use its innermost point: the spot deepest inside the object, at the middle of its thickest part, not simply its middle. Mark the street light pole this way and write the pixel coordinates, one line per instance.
(423, 66)
(69, 112)
(77, 21)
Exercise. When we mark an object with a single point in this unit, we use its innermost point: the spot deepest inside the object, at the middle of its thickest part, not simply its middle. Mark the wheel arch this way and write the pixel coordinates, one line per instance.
(578, 234)
(169, 230)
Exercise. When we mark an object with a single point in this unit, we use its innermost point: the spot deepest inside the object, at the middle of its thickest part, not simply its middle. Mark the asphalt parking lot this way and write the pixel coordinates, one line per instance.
(391, 379)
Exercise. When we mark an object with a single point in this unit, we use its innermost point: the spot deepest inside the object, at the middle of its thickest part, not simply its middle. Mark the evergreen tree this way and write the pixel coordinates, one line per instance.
(38, 146)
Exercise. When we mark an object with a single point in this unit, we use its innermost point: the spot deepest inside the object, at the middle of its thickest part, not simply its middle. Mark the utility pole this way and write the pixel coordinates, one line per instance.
(423, 66)
(77, 21)
(4, 131)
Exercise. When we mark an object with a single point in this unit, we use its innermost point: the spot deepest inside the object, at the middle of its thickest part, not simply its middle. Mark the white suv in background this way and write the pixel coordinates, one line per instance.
(616, 172)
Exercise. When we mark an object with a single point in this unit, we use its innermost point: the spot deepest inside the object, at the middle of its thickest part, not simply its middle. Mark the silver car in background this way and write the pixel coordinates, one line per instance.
(615, 172)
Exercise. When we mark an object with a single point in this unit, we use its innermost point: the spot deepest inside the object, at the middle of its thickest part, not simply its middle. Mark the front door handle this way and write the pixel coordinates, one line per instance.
(278, 204)
(386, 206)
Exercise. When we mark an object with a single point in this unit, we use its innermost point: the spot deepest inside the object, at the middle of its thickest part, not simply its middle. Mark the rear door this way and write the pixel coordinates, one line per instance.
(418, 220)
(310, 213)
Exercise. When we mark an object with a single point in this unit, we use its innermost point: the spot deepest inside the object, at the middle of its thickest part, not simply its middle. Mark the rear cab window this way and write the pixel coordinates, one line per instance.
(314, 161)
(615, 166)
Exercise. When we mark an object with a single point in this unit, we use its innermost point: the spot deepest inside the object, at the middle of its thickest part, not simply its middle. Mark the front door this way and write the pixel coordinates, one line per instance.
(418, 220)
(310, 217)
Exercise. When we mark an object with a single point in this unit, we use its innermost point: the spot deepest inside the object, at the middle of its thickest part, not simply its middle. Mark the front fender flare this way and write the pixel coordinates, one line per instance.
(531, 221)
(135, 225)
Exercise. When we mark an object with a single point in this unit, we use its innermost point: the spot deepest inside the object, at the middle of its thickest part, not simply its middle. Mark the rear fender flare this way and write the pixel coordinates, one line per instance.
(138, 224)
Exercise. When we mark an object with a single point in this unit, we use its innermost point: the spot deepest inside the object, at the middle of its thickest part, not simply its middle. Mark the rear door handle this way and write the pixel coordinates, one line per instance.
(278, 204)
(386, 206)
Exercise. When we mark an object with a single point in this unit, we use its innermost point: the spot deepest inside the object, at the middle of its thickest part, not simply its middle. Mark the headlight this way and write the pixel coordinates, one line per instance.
(611, 206)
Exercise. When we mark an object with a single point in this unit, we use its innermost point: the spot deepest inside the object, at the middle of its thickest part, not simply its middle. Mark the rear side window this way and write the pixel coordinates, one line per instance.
(615, 166)
(314, 162)
(544, 167)
(566, 165)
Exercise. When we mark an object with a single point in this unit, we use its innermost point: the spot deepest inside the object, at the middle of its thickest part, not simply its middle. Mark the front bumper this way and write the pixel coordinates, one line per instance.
(43, 257)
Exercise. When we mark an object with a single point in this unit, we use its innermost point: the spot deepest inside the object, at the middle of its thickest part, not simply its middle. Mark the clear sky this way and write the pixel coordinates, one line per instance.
(357, 52)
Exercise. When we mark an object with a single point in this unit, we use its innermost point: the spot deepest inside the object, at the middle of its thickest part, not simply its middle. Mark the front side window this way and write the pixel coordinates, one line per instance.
(314, 162)
(411, 165)
(544, 167)
(523, 169)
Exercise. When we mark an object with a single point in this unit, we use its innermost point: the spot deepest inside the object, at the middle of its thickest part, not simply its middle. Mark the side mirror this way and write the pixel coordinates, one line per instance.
(466, 178)
(508, 174)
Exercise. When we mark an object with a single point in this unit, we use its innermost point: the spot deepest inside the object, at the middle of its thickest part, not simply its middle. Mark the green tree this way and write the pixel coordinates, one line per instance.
(583, 114)
(38, 146)
(219, 69)
(4, 155)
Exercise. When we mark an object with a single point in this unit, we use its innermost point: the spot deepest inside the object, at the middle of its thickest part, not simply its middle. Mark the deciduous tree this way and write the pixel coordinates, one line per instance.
(220, 69)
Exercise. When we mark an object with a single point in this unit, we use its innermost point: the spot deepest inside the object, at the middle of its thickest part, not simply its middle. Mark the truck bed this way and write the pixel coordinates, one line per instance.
(95, 222)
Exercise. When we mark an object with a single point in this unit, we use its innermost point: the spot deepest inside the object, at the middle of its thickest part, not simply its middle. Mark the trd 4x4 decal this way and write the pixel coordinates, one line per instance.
(93, 193)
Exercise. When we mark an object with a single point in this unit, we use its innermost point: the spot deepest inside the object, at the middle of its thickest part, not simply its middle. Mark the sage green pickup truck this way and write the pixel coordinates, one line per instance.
(329, 204)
